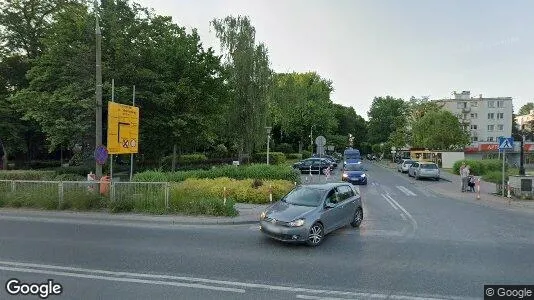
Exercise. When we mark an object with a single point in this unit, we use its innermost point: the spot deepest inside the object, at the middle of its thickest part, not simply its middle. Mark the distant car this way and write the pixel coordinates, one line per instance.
(309, 212)
(327, 157)
(313, 165)
(355, 174)
(424, 170)
(404, 165)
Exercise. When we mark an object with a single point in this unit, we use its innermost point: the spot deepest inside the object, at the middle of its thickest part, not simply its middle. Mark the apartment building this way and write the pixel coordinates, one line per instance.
(486, 119)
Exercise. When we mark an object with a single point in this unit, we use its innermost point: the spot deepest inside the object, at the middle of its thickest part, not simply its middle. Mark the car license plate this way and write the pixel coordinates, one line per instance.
(272, 228)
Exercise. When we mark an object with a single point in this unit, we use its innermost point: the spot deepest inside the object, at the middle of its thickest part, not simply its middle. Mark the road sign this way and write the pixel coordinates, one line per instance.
(320, 141)
(123, 128)
(506, 143)
(101, 155)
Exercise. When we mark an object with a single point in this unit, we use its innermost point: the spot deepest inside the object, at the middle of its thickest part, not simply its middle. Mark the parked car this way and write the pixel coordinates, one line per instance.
(424, 170)
(309, 212)
(355, 174)
(313, 165)
(327, 157)
(404, 165)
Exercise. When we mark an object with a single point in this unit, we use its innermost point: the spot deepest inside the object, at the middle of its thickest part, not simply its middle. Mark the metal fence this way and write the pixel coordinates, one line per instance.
(145, 196)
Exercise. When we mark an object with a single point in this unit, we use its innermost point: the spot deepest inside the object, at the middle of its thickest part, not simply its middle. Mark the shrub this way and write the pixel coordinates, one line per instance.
(306, 154)
(27, 175)
(494, 177)
(284, 148)
(276, 158)
(80, 170)
(255, 171)
(294, 156)
(70, 177)
(83, 200)
(220, 151)
(241, 191)
(479, 167)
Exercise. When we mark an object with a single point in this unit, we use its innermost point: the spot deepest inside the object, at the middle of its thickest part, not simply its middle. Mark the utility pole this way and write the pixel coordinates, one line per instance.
(522, 157)
(98, 87)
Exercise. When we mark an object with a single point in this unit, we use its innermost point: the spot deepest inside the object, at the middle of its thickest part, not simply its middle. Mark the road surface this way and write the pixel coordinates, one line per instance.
(412, 244)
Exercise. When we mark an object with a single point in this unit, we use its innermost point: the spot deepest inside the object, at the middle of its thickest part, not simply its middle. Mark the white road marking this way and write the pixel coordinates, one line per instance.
(406, 191)
(132, 280)
(414, 222)
(389, 201)
(150, 279)
(366, 296)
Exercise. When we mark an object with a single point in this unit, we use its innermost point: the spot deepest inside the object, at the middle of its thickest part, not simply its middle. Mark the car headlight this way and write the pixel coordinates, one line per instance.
(345, 175)
(296, 223)
(363, 175)
(263, 215)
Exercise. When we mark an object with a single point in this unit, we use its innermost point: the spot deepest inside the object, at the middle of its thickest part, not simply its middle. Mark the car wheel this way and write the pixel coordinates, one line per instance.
(315, 235)
(437, 178)
(358, 217)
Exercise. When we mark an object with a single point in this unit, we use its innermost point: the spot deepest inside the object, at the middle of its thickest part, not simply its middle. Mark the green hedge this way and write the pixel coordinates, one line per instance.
(494, 177)
(479, 167)
(306, 154)
(276, 158)
(294, 156)
(27, 175)
(284, 148)
(254, 171)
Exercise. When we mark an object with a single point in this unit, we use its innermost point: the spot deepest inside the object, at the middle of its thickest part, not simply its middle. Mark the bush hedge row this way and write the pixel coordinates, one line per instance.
(479, 167)
(254, 171)
(276, 158)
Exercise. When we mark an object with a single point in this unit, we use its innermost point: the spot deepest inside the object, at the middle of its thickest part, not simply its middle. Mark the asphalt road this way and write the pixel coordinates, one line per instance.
(412, 244)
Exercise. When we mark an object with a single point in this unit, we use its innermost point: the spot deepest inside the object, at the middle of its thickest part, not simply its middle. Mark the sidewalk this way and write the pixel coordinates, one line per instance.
(248, 214)
(451, 184)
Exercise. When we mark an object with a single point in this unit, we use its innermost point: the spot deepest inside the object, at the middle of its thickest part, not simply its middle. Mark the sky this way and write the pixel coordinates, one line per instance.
(372, 48)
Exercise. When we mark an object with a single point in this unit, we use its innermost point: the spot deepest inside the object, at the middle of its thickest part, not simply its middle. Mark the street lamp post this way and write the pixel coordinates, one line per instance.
(268, 140)
(522, 157)
(98, 92)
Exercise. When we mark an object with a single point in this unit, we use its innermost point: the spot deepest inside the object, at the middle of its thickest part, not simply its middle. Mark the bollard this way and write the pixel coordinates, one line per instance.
(508, 187)
(478, 188)
(270, 193)
(224, 195)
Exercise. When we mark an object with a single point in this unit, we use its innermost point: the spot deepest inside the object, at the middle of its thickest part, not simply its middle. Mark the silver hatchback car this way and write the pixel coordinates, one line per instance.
(424, 170)
(309, 212)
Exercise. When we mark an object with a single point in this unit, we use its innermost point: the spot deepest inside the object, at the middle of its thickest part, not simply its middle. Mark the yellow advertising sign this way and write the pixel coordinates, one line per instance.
(123, 128)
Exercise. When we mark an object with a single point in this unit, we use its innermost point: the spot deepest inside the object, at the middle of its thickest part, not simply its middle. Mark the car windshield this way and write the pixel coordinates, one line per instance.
(354, 167)
(429, 166)
(408, 162)
(352, 156)
(304, 196)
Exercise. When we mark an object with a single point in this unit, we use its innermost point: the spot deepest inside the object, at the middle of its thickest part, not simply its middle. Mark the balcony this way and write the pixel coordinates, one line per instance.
(466, 110)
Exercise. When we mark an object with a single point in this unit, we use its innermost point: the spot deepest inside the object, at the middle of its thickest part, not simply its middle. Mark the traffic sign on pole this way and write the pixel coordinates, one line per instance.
(506, 143)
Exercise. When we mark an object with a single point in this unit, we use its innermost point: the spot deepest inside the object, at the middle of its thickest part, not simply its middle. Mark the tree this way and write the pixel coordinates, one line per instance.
(349, 122)
(308, 96)
(439, 130)
(525, 109)
(383, 118)
(249, 80)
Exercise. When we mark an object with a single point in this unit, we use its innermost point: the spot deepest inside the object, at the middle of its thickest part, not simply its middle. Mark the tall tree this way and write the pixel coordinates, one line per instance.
(312, 111)
(525, 109)
(384, 118)
(249, 79)
(439, 130)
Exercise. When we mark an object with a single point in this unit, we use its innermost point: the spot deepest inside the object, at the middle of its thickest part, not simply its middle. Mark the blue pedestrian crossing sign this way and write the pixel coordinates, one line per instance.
(506, 143)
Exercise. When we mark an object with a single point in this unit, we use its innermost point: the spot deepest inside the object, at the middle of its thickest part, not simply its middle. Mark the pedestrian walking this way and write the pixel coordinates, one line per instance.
(464, 174)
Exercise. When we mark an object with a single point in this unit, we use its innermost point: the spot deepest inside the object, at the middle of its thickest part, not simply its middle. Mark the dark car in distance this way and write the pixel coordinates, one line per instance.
(355, 174)
(309, 212)
(313, 165)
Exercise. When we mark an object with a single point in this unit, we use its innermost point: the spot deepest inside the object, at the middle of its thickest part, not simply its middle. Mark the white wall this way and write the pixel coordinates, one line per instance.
(449, 158)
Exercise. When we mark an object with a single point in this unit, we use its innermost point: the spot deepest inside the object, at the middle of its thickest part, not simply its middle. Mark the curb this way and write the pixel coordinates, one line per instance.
(122, 218)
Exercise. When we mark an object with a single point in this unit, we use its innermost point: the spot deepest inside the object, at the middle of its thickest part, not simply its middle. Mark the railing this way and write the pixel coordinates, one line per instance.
(144, 196)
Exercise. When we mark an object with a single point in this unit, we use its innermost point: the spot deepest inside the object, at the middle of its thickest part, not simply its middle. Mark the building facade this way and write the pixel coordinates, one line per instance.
(486, 119)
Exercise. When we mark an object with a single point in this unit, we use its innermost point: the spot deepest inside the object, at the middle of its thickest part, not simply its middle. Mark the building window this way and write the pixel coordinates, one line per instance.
(500, 103)
(500, 127)
(490, 139)
(474, 127)
(491, 127)
(474, 139)
(491, 116)
(500, 115)
(461, 104)
(491, 104)
(474, 104)
(474, 116)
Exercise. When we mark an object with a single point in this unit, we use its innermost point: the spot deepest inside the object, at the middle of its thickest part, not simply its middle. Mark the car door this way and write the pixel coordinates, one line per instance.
(347, 204)
(332, 216)
(412, 169)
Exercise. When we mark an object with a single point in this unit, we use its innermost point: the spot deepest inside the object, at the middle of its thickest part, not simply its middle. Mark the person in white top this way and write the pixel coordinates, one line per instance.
(464, 174)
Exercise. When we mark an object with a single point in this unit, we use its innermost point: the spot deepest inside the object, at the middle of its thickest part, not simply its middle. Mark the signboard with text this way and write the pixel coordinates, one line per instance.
(123, 128)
